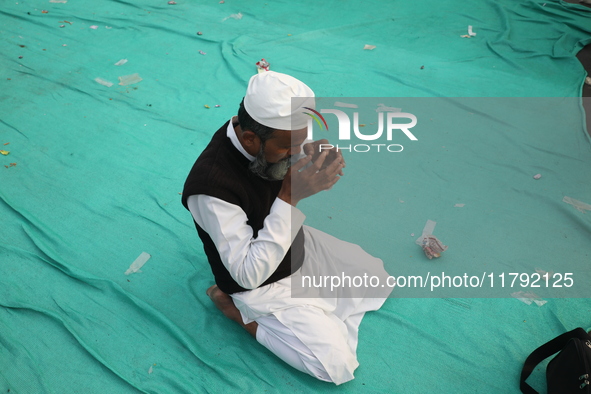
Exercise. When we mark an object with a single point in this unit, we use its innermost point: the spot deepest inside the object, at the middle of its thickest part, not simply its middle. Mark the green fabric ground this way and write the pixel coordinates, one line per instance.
(98, 171)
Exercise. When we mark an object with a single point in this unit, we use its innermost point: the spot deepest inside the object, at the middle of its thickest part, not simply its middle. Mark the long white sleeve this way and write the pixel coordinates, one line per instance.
(249, 260)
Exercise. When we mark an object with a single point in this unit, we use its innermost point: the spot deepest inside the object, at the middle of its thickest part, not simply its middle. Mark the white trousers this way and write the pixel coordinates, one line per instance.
(316, 335)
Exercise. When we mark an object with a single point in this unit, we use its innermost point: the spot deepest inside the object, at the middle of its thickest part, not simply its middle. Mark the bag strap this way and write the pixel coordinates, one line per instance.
(545, 351)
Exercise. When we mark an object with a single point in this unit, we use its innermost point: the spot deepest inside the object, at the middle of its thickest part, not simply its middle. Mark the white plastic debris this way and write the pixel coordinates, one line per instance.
(233, 16)
(588, 80)
(430, 244)
(138, 263)
(579, 205)
(537, 176)
(129, 79)
(104, 82)
(369, 47)
(150, 370)
(58, 1)
(121, 62)
(345, 105)
(528, 298)
(94, 27)
(459, 205)
(470, 32)
(546, 276)
(383, 108)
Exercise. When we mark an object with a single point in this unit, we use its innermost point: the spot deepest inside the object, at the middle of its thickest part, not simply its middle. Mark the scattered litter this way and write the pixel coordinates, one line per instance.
(138, 263)
(129, 79)
(4, 152)
(430, 244)
(45, 12)
(58, 1)
(459, 205)
(62, 25)
(199, 33)
(217, 105)
(222, 1)
(104, 82)
(234, 16)
(345, 105)
(64, 21)
(537, 176)
(121, 62)
(383, 108)
(588, 80)
(94, 27)
(262, 65)
(528, 298)
(20, 57)
(579, 205)
(401, 201)
(152, 369)
(422, 67)
(11, 165)
(470, 32)
(6, 143)
(172, 2)
(369, 47)
(202, 53)
(412, 234)
(108, 27)
(207, 106)
(65, 45)
(465, 36)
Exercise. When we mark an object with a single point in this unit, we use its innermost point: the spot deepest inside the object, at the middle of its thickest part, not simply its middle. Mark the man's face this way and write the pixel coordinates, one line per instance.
(274, 157)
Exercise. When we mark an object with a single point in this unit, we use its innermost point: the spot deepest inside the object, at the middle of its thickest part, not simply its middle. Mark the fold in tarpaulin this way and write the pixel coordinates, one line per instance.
(95, 169)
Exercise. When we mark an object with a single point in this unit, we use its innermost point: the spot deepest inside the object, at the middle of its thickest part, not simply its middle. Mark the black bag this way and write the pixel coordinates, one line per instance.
(567, 373)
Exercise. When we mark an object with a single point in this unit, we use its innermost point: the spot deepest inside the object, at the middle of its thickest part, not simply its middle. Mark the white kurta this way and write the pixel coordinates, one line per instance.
(315, 335)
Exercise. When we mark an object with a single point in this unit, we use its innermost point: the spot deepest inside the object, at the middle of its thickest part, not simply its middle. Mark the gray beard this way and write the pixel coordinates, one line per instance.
(269, 171)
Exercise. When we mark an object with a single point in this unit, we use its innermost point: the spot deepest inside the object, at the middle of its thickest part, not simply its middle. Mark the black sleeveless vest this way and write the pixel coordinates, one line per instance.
(222, 171)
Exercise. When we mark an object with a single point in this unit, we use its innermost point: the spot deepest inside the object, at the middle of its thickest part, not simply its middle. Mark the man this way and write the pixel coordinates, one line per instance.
(242, 193)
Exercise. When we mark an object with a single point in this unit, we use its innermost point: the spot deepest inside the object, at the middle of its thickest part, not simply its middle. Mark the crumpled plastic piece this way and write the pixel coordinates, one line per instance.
(459, 205)
(202, 53)
(588, 80)
(263, 65)
(138, 263)
(383, 108)
(129, 79)
(369, 47)
(528, 298)
(4, 152)
(430, 244)
(537, 176)
(233, 16)
(345, 105)
(121, 62)
(579, 205)
(545, 274)
(104, 82)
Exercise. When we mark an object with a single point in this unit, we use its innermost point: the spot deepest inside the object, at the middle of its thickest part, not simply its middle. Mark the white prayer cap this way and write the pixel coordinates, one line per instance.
(268, 101)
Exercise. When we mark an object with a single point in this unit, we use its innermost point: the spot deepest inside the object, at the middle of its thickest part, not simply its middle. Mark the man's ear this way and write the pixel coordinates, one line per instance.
(250, 139)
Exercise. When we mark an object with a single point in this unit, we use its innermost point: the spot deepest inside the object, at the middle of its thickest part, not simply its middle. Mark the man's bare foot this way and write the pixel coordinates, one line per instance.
(224, 303)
